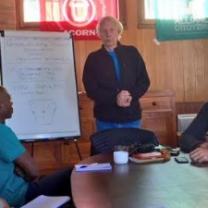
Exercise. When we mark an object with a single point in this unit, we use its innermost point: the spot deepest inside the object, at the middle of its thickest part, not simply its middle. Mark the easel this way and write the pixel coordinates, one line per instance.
(77, 148)
(75, 142)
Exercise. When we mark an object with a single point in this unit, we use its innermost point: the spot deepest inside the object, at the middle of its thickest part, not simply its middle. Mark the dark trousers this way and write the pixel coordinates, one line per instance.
(57, 184)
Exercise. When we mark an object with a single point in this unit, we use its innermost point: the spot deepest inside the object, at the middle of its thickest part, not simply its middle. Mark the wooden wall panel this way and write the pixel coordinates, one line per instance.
(175, 76)
(195, 70)
(178, 65)
(7, 14)
(80, 51)
(188, 107)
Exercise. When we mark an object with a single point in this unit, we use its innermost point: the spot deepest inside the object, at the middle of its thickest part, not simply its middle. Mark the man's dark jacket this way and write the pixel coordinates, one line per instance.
(196, 132)
(102, 87)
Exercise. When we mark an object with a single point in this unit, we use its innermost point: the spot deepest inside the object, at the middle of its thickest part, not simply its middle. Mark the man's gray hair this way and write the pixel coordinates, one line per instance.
(116, 22)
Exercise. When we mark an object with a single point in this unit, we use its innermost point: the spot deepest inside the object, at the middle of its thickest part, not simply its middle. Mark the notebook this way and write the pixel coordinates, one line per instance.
(43, 201)
(93, 167)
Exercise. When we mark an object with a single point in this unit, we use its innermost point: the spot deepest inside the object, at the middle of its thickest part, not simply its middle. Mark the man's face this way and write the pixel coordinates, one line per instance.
(6, 108)
(109, 34)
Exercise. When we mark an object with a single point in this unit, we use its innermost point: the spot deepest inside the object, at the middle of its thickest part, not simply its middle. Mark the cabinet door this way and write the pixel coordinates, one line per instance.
(159, 115)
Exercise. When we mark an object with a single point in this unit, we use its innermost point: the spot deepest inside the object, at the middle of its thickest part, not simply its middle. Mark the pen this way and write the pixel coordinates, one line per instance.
(87, 165)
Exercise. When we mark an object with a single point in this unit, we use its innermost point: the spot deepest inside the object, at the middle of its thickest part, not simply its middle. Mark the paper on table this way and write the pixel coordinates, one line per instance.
(47, 201)
(93, 167)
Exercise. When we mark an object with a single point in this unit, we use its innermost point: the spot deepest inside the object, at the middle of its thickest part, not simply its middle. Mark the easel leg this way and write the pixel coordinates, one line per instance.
(77, 147)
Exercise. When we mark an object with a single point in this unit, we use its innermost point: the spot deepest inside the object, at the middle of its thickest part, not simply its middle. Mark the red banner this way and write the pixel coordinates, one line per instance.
(79, 17)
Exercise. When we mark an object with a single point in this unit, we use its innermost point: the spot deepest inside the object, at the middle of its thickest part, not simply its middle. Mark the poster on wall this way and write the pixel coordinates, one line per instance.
(181, 19)
(79, 17)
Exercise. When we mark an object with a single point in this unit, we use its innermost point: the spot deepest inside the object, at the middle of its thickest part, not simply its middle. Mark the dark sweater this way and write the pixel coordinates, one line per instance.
(195, 133)
(102, 87)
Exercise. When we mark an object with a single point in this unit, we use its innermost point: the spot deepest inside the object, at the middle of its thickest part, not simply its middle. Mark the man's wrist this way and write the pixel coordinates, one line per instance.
(204, 145)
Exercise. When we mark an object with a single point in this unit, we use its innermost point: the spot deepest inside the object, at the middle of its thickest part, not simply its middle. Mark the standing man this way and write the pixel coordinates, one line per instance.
(115, 77)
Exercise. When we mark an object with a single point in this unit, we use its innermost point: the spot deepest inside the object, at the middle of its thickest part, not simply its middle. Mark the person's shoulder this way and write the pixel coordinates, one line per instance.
(95, 55)
(4, 128)
(124, 46)
(6, 131)
(129, 48)
(96, 52)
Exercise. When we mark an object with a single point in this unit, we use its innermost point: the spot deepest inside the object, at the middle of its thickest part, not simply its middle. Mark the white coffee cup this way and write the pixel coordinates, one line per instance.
(120, 156)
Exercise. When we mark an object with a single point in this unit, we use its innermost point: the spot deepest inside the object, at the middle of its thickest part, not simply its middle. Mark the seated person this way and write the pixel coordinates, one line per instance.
(193, 140)
(14, 159)
(3, 203)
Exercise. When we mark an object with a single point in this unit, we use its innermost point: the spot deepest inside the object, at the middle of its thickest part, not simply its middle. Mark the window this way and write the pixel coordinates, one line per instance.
(28, 15)
(149, 10)
(145, 14)
(31, 10)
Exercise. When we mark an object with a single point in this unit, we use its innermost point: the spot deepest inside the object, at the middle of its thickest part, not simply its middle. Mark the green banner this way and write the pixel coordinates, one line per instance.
(181, 19)
(180, 30)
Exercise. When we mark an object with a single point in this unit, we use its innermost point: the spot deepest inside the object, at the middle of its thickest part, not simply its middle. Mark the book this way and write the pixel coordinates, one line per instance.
(93, 167)
(43, 201)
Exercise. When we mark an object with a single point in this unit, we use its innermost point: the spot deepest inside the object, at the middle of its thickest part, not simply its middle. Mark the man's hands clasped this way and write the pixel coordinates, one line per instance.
(124, 98)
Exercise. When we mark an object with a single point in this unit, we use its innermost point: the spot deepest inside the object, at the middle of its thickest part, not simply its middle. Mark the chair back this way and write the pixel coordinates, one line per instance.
(104, 141)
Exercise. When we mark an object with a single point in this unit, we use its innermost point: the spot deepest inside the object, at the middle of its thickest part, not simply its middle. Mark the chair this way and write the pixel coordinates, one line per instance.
(104, 141)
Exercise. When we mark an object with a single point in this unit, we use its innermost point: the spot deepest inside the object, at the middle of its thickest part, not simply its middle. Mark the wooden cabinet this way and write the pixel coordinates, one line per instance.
(159, 115)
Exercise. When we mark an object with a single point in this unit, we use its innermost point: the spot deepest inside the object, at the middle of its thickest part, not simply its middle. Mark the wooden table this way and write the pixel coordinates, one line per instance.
(158, 185)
